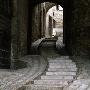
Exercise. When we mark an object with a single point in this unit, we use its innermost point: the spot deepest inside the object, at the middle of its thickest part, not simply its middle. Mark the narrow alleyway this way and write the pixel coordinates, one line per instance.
(44, 45)
(60, 71)
(48, 71)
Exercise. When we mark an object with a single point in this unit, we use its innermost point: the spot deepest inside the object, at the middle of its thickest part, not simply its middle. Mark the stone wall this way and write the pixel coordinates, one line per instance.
(38, 21)
(77, 28)
(19, 29)
(23, 26)
(5, 30)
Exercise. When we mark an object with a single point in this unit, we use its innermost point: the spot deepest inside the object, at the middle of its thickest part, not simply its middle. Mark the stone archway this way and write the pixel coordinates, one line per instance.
(37, 4)
(71, 26)
(54, 21)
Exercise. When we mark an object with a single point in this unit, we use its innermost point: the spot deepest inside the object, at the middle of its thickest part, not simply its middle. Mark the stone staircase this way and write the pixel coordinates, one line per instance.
(59, 73)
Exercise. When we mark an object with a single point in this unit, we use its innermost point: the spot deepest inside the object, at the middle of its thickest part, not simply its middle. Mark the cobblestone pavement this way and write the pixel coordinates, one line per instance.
(12, 80)
(81, 84)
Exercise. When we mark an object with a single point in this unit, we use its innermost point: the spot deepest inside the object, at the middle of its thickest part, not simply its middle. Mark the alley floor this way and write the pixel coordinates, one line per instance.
(51, 70)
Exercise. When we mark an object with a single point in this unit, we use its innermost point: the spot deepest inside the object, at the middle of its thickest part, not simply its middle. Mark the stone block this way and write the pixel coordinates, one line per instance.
(61, 73)
(52, 82)
(61, 66)
(56, 77)
(60, 61)
(63, 69)
(44, 87)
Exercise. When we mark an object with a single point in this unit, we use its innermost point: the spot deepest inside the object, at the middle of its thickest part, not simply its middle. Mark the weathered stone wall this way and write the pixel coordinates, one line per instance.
(36, 22)
(19, 29)
(50, 28)
(77, 28)
(23, 26)
(5, 39)
(39, 20)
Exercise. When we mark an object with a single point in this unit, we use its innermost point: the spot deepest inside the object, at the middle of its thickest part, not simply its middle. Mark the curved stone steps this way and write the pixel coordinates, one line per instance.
(58, 78)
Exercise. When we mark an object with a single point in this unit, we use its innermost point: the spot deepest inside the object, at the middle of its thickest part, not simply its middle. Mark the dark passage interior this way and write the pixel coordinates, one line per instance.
(23, 22)
(49, 28)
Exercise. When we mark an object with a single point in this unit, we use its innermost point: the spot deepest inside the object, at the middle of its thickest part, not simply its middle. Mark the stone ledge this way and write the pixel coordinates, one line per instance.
(59, 43)
(35, 45)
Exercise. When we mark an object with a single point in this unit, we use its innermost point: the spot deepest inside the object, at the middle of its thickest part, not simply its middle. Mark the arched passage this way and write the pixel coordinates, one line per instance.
(39, 12)
(70, 23)
(76, 34)
(54, 22)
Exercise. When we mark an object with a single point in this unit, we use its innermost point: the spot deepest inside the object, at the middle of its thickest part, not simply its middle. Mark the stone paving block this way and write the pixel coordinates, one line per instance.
(57, 82)
(61, 66)
(44, 87)
(55, 77)
(63, 69)
(82, 84)
(64, 57)
(60, 61)
(60, 57)
(61, 73)
(14, 79)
